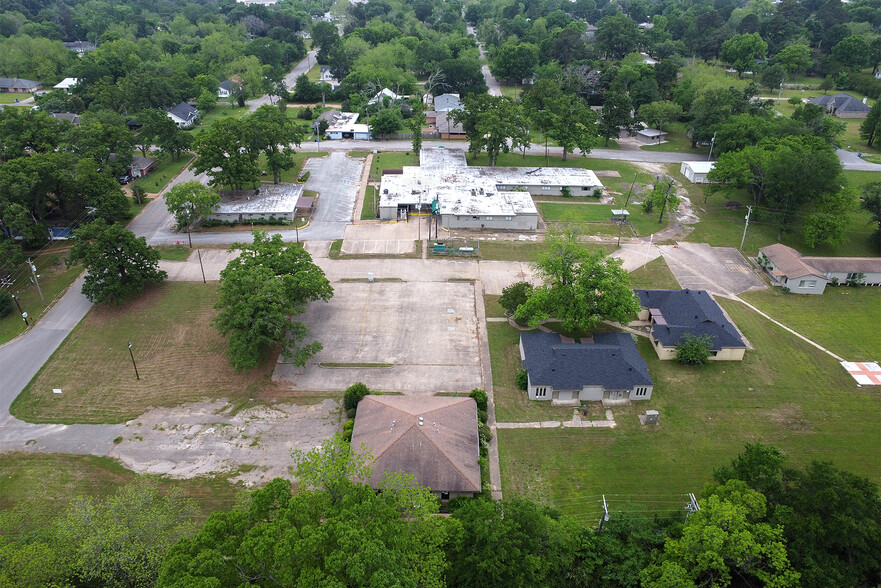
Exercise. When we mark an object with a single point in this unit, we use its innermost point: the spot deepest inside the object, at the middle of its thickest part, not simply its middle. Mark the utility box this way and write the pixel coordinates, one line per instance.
(651, 417)
(439, 248)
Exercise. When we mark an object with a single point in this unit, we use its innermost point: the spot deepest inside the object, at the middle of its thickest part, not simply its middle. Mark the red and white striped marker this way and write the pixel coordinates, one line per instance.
(866, 373)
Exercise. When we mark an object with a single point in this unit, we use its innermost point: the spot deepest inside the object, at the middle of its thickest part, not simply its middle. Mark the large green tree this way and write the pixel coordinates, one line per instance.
(515, 61)
(272, 133)
(581, 288)
(120, 265)
(870, 201)
(562, 115)
(741, 51)
(829, 220)
(189, 201)
(261, 291)
(225, 153)
(618, 35)
(616, 115)
(494, 123)
(870, 128)
(660, 112)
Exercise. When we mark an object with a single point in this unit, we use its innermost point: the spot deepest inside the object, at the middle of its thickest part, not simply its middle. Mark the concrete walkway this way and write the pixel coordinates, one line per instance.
(576, 423)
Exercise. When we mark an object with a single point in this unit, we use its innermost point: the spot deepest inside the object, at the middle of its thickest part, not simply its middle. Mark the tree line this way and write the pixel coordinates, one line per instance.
(761, 522)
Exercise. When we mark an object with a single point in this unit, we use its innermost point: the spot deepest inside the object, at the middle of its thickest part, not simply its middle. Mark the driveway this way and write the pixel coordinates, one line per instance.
(718, 270)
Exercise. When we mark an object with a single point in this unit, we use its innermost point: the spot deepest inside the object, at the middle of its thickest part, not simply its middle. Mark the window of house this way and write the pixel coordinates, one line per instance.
(585, 188)
(508, 218)
(546, 188)
(489, 218)
(475, 218)
(642, 391)
(853, 275)
(541, 391)
(807, 283)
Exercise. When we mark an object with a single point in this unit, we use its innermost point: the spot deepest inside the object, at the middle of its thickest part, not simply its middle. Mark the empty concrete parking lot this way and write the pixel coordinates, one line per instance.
(426, 330)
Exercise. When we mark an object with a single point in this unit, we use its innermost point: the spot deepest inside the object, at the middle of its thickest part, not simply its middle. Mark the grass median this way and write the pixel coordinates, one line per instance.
(180, 358)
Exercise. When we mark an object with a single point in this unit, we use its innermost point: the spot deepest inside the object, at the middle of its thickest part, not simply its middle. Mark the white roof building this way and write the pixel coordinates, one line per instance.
(66, 84)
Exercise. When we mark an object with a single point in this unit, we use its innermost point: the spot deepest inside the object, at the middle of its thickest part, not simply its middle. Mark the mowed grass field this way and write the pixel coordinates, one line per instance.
(180, 358)
(785, 393)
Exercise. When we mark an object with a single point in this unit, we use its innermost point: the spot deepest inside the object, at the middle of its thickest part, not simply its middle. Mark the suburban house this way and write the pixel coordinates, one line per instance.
(345, 125)
(227, 89)
(269, 201)
(445, 125)
(608, 368)
(382, 94)
(19, 85)
(674, 313)
(326, 77)
(842, 105)
(80, 46)
(183, 115)
(473, 197)
(696, 171)
(433, 438)
(809, 275)
(651, 136)
(70, 117)
(66, 84)
(142, 166)
(447, 102)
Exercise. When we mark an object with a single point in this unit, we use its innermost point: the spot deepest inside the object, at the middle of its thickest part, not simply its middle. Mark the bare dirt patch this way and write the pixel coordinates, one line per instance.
(252, 446)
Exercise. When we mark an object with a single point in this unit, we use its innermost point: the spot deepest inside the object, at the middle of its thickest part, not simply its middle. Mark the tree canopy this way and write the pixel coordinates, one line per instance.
(261, 291)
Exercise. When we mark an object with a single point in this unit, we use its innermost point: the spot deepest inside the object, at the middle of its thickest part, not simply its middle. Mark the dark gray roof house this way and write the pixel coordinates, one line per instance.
(842, 105)
(673, 313)
(19, 85)
(434, 438)
(607, 368)
(227, 89)
(70, 117)
(183, 115)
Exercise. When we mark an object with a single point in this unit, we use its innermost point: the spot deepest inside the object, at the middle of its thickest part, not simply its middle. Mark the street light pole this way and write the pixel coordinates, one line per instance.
(621, 225)
(132, 355)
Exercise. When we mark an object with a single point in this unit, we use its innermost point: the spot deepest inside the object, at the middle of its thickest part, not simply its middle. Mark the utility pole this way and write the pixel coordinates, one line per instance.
(199, 251)
(691, 506)
(664, 204)
(749, 210)
(605, 514)
(132, 355)
(24, 315)
(621, 226)
(712, 144)
(33, 269)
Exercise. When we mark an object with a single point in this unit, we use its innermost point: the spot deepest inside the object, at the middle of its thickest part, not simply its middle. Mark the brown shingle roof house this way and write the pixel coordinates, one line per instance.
(434, 438)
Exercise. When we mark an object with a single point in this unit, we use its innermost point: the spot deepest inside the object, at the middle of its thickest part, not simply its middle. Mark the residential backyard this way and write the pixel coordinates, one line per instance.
(166, 170)
(784, 393)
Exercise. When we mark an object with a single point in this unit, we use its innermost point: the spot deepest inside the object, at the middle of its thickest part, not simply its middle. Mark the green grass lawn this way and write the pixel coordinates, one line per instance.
(511, 90)
(11, 97)
(368, 210)
(785, 393)
(723, 227)
(654, 275)
(390, 160)
(523, 250)
(491, 305)
(181, 358)
(166, 170)
(46, 482)
(135, 208)
(173, 252)
(221, 111)
(54, 278)
(844, 320)
(288, 176)
(598, 216)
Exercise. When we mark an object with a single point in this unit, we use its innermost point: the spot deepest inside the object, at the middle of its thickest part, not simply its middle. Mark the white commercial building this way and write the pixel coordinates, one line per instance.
(476, 197)
(269, 201)
(346, 126)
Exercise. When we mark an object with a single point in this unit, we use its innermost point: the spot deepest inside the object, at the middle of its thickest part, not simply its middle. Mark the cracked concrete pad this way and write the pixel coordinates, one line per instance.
(202, 438)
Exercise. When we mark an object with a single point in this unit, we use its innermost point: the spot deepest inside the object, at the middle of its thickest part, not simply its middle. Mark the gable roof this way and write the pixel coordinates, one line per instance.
(18, 83)
(70, 117)
(841, 103)
(385, 92)
(66, 84)
(611, 361)
(227, 85)
(447, 102)
(678, 312)
(441, 453)
(795, 265)
(184, 112)
(789, 261)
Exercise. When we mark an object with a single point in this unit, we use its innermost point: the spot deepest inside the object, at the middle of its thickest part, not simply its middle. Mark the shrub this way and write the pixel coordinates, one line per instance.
(347, 430)
(484, 432)
(522, 379)
(354, 394)
(694, 350)
(482, 415)
(305, 114)
(515, 295)
(566, 192)
(303, 177)
(481, 398)
(6, 302)
(598, 193)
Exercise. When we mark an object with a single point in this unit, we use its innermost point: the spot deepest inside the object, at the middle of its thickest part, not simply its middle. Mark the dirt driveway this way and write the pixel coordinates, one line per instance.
(718, 270)
(427, 331)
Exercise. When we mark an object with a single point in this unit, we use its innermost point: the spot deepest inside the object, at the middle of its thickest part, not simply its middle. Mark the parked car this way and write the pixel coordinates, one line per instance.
(125, 179)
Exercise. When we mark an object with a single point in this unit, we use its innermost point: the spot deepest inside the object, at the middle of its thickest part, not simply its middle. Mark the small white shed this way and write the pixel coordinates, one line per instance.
(696, 171)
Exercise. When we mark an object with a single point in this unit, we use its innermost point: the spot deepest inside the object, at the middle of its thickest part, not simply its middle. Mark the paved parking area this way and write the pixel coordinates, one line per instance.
(719, 270)
(427, 330)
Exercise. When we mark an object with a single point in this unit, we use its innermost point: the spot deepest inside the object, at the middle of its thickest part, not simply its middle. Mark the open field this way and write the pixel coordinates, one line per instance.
(54, 278)
(589, 216)
(222, 110)
(47, 483)
(785, 393)
(852, 334)
(11, 97)
(180, 358)
(390, 160)
(721, 226)
(654, 275)
(165, 171)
